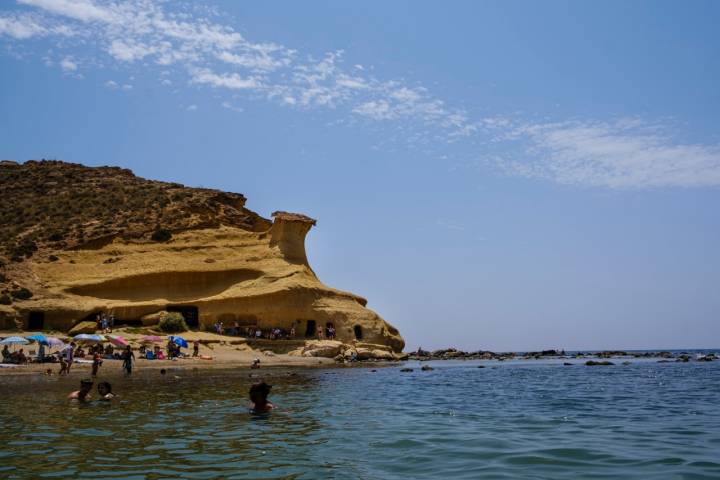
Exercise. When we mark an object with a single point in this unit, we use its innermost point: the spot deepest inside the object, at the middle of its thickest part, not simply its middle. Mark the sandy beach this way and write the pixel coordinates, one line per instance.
(216, 351)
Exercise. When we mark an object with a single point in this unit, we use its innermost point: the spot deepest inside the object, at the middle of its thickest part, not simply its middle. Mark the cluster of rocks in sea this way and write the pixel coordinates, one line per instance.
(454, 354)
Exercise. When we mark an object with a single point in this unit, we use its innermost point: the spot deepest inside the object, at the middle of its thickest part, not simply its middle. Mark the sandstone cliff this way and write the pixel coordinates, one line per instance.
(82, 240)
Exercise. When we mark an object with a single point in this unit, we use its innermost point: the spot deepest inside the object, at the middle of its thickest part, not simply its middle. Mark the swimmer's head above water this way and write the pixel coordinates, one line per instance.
(258, 396)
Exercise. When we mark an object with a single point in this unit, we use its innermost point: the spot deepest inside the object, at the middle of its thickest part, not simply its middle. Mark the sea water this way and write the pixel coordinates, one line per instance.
(520, 419)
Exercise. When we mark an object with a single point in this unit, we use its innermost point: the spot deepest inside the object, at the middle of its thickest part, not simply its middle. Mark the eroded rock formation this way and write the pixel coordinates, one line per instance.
(221, 262)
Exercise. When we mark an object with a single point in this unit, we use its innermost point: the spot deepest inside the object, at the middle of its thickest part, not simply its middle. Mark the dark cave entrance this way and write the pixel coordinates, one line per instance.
(190, 313)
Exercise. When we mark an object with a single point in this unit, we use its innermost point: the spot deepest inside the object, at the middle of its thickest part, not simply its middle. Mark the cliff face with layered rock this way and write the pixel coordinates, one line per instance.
(78, 240)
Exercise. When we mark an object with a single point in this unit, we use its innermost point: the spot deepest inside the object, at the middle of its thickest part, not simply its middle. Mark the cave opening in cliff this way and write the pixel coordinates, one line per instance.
(36, 320)
(310, 329)
(358, 332)
(190, 313)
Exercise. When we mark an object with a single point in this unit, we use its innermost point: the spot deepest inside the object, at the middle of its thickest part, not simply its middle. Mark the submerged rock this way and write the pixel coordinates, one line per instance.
(406, 369)
(593, 363)
(427, 368)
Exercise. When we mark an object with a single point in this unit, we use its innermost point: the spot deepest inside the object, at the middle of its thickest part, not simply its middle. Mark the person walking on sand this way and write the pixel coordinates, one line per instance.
(128, 358)
(196, 348)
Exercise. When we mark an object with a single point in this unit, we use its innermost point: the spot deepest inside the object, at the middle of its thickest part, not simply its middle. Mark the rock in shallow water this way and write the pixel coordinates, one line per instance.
(593, 363)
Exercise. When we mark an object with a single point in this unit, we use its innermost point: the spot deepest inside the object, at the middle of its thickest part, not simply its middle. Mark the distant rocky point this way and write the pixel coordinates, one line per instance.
(77, 240)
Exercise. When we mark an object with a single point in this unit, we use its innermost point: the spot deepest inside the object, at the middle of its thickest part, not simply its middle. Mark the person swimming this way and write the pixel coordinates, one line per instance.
(82, 395)
(105, 391)
(258, 396)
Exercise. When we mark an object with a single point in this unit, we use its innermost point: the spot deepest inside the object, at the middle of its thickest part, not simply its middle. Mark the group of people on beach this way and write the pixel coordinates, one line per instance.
(67, 356)
(18, 357)
(105, 322)
(274, 333)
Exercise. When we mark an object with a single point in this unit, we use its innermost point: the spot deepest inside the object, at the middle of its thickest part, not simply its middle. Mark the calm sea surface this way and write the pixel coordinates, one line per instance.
(524, 419)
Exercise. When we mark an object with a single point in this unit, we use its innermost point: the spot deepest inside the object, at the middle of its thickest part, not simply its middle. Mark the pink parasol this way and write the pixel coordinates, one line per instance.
(117, 340)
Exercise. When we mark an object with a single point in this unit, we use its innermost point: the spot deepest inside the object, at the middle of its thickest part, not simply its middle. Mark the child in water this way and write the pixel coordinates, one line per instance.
(105, 391)
(82, 395)
(63, 366)
(97, 361)
(258, 396)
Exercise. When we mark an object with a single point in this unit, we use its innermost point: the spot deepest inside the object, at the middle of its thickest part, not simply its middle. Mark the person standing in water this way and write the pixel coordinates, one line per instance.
(258, 396)
(97, 361)
(69, 353)
(128, 358)
(83, 394)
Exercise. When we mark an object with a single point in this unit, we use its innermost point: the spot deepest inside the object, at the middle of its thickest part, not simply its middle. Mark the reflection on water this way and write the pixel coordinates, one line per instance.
(522, 420)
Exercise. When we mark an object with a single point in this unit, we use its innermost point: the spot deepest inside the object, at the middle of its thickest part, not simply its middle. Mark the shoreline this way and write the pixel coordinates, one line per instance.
(229, 352)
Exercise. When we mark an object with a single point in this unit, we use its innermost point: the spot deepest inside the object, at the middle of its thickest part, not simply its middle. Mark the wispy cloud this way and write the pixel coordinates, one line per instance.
(202, 51)
(619, 154)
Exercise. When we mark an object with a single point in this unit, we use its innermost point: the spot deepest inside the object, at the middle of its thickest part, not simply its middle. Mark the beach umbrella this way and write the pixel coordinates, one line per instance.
(151, 339)
(14, 341)
(179, 341)
(39, 338)
(117, 340)
(54, 342)
(89, 338)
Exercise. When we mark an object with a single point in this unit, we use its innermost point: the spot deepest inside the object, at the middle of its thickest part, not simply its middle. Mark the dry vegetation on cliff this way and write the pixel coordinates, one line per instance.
(56, 205)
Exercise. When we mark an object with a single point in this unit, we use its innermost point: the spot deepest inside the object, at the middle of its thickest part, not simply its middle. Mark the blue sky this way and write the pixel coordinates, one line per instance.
(499, 175)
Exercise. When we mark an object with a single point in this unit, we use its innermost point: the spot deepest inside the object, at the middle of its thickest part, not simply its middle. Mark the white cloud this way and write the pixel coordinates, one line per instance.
(620, 154)
(68, 65)
(84, 10)
(25, 26)
(20, 28)
(113, 85)
(191, 108)
(232, 107)
(129, 52)
(231, 81)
